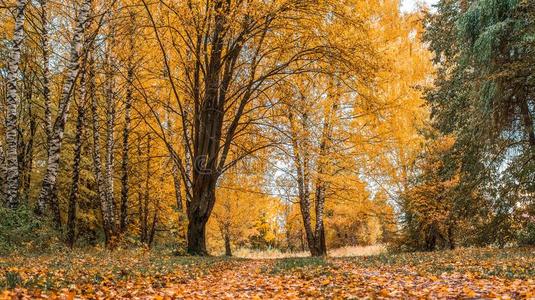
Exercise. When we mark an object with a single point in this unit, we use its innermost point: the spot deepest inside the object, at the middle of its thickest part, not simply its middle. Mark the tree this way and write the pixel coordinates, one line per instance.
(11, 160)
(73, 196)
(238, 51)
(429, 207)
(483, 95)
(48, 189)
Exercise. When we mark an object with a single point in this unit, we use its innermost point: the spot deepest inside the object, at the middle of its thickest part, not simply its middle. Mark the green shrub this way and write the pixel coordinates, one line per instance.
(20, 229)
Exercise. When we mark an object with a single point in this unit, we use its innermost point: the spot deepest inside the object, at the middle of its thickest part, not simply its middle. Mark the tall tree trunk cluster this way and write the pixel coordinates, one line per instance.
(48, 194)
(307, 167)
(148, 222)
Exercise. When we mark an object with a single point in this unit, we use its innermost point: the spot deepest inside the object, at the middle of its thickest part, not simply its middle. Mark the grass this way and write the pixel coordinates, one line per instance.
(97, 266)
(293, 263)
(485, 262)
(101, 267)
(350, 251)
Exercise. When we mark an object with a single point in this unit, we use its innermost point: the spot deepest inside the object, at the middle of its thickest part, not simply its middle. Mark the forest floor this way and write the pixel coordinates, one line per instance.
(458, 274)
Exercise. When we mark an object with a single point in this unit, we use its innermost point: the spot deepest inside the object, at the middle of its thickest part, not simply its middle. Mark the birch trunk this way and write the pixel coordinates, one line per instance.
(46, 69)
(301, 162)
(107, 216)
(73, 196)
(48, 189)
(321, 185)
(110, 140)
(12, 104)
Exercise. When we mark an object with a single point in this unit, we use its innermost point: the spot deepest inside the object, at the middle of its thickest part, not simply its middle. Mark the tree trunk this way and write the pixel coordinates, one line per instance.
(105, 209)
(319, 242)
(125, 162)
(48, 189)
(127, 120)
(73, 196)
(110, 140)
(146, 198)
(12, 104)
(26, 151)
(228, 249)
(46, 69)
(197, 236)
(154, 219)
(176, 182)
(301, 161)
(199, 210)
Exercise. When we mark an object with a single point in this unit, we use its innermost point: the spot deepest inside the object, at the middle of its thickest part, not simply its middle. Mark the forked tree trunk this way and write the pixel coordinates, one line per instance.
(302, 165)
(12, 105)
(315, 237)
(48, 189)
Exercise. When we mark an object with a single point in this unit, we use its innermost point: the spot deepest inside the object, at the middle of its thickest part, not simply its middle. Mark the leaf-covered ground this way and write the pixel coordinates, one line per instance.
(464, 274)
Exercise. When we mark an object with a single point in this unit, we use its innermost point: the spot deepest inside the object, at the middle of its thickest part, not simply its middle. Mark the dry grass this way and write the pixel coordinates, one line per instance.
(349, 251)
(358, 251)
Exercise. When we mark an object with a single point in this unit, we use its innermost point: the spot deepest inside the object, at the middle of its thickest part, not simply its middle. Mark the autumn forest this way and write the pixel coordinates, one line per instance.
(223, 149)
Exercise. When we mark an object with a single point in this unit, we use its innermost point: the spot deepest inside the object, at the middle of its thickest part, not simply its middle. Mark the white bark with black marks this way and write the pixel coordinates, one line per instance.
(46, 68)
(48, 188)
(12, 105)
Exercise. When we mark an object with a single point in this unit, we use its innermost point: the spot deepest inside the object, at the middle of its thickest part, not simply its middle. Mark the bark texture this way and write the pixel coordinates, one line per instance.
(73, 195)
(12, 105)
(126, 130)
(106, 206)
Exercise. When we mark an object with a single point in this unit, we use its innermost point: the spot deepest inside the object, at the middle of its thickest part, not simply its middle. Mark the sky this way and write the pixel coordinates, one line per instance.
(409, 5)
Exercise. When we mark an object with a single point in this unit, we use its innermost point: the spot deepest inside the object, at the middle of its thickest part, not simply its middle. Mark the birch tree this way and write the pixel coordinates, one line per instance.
(75, 185)
(107, 208)
(12, 103)
(48, 189)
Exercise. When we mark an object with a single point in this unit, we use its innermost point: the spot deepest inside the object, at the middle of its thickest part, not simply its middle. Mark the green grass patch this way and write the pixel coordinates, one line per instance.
(289, 264)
